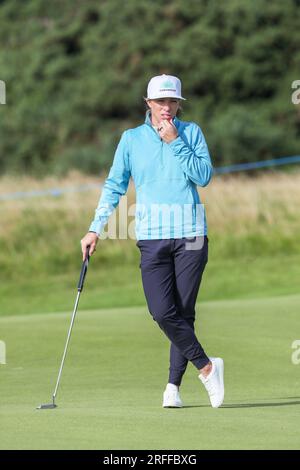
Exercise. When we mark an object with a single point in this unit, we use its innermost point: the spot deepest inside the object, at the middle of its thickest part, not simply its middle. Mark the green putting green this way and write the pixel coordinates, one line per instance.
(116, 369)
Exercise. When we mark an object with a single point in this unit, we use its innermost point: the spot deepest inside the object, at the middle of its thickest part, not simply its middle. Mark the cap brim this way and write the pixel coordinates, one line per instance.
(161, 97)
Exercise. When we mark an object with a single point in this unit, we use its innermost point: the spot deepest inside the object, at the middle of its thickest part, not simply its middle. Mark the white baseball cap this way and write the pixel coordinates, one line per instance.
(164, 86)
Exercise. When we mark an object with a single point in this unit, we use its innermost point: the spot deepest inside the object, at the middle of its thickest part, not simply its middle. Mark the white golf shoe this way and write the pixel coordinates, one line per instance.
(171, 398)
(214, 382)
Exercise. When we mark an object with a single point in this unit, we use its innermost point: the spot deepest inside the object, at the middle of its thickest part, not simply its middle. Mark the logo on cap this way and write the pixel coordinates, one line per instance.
(168, 85)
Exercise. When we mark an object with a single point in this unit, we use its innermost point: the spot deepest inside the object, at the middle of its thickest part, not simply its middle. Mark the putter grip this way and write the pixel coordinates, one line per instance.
(83, 269)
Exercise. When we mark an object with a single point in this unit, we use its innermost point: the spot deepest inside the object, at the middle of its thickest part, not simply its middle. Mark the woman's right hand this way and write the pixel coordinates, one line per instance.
(91, 240)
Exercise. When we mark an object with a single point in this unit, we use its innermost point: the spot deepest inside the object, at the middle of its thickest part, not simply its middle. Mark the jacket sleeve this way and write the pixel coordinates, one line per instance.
(193, 156)
(115, 186)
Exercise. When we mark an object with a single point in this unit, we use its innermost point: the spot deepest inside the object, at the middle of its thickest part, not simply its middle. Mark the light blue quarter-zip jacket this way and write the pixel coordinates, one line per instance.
(165, 178)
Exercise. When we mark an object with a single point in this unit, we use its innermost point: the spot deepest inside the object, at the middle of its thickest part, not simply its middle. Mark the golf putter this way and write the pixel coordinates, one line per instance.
(79, 289)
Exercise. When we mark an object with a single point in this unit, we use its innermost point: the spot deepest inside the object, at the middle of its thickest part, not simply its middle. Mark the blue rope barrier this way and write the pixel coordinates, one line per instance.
(49, 192)
(254, 165)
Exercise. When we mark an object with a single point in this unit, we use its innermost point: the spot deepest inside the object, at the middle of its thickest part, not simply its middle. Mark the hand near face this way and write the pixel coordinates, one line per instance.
(167, 130)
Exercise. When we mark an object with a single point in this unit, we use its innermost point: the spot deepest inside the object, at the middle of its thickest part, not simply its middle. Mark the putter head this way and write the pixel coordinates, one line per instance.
(48, 406)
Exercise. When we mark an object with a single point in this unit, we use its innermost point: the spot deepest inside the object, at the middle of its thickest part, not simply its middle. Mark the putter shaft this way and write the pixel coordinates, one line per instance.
(79, 289)
(66, 346)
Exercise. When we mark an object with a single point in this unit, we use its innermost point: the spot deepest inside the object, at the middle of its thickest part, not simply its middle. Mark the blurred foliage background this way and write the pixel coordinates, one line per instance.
(76, 72)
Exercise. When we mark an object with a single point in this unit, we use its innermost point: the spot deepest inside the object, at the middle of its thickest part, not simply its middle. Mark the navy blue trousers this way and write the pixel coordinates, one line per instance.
(171, 274)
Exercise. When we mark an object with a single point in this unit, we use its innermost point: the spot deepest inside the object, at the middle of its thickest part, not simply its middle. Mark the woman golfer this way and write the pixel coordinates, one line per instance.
(167, 158)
